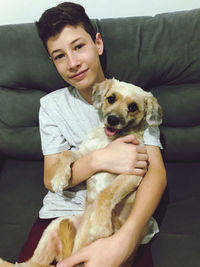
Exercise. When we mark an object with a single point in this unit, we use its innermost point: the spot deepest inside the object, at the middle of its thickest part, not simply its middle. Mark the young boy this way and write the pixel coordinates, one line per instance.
(66, 116)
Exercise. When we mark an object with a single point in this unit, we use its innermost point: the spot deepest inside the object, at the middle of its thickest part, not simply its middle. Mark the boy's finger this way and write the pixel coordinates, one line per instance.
(72, 261)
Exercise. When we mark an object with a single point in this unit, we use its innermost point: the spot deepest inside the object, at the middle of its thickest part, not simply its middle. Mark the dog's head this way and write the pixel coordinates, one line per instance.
(124, 106)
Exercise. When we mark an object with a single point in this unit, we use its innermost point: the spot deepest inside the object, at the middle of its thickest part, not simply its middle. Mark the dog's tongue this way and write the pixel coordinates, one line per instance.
(110, 131)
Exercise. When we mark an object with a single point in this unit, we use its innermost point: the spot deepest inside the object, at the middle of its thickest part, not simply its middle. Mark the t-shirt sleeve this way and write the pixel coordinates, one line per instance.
(52, 140)
(152, 137)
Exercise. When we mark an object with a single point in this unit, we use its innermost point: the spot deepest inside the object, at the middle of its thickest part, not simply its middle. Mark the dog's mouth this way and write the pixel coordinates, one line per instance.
(110, 131)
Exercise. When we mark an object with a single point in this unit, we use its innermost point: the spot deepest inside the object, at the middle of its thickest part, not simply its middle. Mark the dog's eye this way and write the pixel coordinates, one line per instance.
(132, 107)
(111, 99)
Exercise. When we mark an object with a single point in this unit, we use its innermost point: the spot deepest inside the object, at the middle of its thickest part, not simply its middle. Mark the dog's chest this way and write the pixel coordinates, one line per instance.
(95, 139)
(97, 183)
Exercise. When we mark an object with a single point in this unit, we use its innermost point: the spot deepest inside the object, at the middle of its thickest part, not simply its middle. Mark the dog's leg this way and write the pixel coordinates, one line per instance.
(97, 221)
(101, 218)
(63, 170)
(56, 242)
(82, 238)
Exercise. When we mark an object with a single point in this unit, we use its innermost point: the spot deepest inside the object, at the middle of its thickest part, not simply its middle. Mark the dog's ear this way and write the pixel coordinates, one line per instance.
(153, 111)
(99, 91)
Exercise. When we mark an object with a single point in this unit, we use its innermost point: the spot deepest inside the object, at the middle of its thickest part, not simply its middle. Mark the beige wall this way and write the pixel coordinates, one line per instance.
(19, 11)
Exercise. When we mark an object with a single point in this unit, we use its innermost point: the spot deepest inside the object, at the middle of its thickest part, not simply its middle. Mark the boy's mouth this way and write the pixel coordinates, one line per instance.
(79, 75)
(110, 131)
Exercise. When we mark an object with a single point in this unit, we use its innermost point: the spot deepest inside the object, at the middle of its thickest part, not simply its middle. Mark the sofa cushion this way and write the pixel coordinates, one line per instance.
(177, 244)
(24, 62)
(152, 51)
(21, 194)
(180, 129)
(158, 53)
(19, 133)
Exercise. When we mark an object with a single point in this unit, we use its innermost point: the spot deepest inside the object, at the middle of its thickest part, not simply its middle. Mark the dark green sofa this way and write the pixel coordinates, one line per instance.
(160, 54)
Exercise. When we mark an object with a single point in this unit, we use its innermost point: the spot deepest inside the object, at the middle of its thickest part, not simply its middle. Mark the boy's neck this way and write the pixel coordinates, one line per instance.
(87, 95)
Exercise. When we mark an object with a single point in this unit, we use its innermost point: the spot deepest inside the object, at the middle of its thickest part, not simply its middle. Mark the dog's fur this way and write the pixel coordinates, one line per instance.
(123, 109)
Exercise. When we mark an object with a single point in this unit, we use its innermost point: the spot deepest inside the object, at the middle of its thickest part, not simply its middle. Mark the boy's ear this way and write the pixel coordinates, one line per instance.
(153, 111)
(99, 43)
(99, 91)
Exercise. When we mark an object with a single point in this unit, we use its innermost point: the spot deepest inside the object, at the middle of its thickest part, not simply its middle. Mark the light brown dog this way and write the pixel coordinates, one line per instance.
(123, 109)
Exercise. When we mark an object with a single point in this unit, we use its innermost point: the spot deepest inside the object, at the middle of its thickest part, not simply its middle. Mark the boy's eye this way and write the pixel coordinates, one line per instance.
(132, 107)
(79, 46)
(58, 57)
(111, 99)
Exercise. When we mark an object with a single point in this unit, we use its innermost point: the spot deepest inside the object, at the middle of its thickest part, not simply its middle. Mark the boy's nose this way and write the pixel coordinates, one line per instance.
(73, 62)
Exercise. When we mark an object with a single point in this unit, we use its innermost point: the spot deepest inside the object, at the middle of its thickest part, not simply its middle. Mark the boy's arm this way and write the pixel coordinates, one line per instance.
(50, 164)
(132, 159)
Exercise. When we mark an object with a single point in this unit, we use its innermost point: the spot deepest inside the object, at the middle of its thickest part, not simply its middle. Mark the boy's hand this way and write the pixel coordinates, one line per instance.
(123, 156)
(105, 252)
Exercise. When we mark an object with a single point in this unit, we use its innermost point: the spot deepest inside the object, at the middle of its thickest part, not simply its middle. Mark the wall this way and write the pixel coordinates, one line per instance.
(19, 11)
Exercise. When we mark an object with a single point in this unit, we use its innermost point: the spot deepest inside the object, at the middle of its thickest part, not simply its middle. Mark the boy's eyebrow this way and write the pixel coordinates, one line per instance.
(54, 51)
(74, 41)
(77, 39)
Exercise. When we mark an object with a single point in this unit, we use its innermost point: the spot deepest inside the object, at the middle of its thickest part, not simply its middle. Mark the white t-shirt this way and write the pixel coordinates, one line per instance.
(65, 119)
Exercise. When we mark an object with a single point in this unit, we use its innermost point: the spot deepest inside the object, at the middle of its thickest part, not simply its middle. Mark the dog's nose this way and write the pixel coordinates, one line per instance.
(113, 120)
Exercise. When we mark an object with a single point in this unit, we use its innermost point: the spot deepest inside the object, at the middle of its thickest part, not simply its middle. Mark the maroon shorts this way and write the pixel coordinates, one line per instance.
(143, 257)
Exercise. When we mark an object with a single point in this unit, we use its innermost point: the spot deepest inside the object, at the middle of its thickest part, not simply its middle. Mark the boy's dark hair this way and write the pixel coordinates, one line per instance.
(53, 20)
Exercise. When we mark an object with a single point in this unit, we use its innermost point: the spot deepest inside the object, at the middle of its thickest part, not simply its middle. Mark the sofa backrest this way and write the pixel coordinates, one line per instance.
(160, 54)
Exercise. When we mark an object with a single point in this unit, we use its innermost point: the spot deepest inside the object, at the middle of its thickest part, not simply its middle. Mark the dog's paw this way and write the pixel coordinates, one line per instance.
(61, 180)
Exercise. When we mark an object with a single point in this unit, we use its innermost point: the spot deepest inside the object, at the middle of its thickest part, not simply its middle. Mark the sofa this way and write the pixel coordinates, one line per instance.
(159, 53)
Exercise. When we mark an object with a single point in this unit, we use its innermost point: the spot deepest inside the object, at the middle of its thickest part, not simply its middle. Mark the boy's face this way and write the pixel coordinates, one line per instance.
(76, 57)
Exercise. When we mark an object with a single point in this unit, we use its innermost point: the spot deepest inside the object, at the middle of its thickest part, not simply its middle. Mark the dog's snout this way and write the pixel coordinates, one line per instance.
(113, 120)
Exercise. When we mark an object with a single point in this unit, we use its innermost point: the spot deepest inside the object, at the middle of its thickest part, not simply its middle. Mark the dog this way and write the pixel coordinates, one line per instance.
(123, 109)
